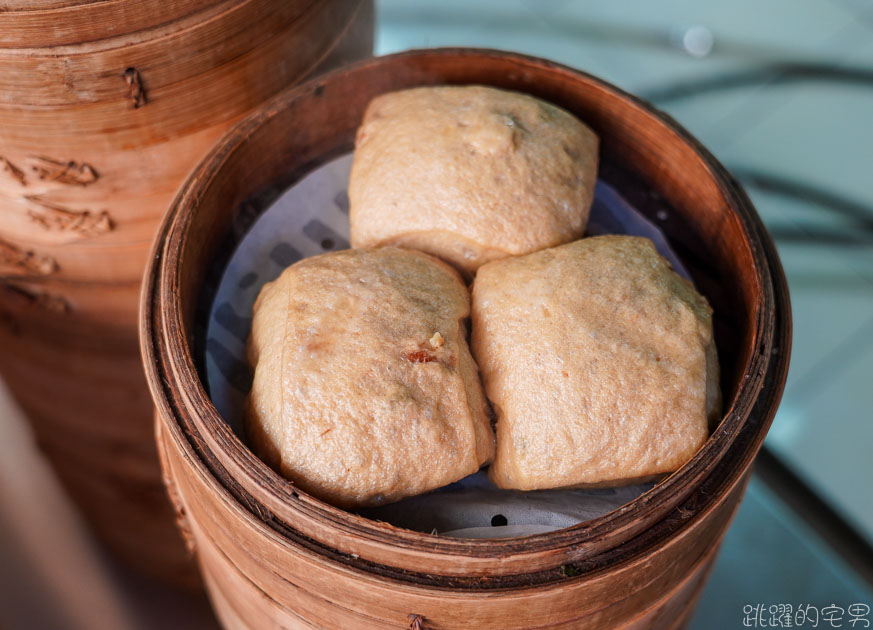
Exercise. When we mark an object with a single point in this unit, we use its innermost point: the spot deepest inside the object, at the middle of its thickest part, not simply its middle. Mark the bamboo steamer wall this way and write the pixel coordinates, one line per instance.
(273, 556)
(104, 108)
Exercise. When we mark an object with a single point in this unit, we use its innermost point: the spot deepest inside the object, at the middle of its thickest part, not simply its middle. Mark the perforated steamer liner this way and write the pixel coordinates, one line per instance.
(311, 218)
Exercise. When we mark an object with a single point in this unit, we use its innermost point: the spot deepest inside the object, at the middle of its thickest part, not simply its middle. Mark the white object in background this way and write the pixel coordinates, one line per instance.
(696, 40)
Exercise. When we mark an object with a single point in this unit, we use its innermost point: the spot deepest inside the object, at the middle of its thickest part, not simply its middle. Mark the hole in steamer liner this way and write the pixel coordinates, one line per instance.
(498, 520)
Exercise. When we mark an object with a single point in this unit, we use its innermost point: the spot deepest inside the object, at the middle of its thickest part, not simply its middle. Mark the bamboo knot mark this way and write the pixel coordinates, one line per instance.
(41, 299)
(13, 170)
(570, 570)
(52, 216)
(416, 622)
(16, 261)
(260, 511)
(60, 171)
(135, 89)
(65, 172)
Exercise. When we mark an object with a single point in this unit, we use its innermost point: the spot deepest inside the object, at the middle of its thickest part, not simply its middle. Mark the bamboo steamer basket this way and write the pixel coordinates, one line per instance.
(106, 106)
(273, 556)
(96, 136)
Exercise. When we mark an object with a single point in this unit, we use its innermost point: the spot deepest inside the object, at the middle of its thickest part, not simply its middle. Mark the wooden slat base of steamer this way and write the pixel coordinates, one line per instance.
(310, 591)
(672, 613)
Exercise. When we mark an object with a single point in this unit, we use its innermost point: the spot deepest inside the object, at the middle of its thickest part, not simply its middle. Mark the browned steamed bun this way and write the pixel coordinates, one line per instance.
(470, 174)
(599, 361)
(365, 391)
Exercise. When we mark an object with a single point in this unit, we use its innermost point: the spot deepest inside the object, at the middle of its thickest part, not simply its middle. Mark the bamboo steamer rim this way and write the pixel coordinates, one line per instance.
(693, 515)
(178, 102)
(34, 26)
(173, 376)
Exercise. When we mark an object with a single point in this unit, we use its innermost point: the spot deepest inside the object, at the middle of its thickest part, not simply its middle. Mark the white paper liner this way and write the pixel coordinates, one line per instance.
(310, 218)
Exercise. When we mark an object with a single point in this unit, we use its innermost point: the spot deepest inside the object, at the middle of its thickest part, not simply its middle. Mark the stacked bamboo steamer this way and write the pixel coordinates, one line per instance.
(104, 108)
(274, 556)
